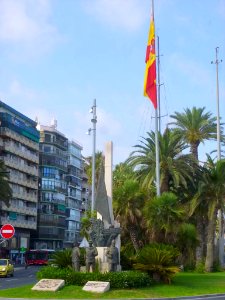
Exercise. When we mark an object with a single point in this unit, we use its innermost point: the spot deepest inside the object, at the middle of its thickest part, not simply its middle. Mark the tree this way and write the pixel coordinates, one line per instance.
(176, 168)
(212, 193)
(99, 158)
(128, 201)
(121, 173)
(163, 216)
(5, 189)
(194, 127)
(86, 223)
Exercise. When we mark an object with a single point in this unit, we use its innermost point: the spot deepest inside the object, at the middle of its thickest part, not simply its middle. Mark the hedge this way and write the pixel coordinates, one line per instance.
(123, 279)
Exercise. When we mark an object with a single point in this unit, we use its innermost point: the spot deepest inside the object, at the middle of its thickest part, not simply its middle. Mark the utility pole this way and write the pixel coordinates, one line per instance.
(220, 215)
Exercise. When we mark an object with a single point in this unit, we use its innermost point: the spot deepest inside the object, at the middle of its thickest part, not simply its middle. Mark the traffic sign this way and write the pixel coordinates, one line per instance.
(7, 231)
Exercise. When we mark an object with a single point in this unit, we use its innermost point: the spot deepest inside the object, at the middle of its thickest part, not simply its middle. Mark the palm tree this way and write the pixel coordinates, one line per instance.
(121, 173)
(194, 127)
(128, 201)
(212, 193)
(176, 169)
(163, 215)
(99, 157)
(5, 189)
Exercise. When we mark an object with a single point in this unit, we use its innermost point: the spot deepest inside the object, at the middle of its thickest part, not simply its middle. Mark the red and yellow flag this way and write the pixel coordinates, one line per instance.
(150, 71)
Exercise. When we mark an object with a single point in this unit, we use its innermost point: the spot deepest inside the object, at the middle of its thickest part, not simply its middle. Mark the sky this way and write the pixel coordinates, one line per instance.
(57, 56)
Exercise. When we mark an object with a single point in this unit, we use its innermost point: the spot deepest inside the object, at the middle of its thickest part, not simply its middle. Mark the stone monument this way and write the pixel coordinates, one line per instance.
(105, 229)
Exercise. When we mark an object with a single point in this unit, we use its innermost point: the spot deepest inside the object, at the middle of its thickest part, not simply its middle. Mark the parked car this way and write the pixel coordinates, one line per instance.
(6, 267)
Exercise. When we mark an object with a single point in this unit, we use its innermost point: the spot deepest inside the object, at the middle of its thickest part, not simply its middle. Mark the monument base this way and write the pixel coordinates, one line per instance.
(102, 260)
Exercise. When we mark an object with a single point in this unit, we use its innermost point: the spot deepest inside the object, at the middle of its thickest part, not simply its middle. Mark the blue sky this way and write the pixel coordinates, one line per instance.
(56, 56)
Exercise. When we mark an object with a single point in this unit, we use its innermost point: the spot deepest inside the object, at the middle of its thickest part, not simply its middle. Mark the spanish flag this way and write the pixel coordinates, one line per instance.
(150, 71)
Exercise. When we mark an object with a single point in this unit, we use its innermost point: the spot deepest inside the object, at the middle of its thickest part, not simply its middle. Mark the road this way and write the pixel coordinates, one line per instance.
(21, 277)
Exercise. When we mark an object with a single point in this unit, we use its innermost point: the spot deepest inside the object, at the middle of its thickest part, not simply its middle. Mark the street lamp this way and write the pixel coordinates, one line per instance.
(220, 214)
(94, 121)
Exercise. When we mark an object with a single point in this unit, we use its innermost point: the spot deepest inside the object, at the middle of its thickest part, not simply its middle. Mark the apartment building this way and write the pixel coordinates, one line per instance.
(53, 149)
(50, 189)
(74, 191)
(19, 149)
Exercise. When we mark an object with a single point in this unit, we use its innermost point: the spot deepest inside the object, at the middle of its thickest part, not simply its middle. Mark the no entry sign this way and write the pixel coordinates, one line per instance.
(7, 231)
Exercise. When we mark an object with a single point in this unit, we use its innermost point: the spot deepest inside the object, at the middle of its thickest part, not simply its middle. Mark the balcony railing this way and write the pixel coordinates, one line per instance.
(19, 223)
(23, 210)
(25, 196)
(24, 168)
(19, 138)
(25, 154)
(28, 183)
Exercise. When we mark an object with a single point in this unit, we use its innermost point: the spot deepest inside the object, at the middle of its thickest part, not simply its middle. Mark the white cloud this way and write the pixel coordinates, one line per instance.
(27, 101)
(16, 89)
(221, 8)
(193, 70)
(125, 14)
(26, 24)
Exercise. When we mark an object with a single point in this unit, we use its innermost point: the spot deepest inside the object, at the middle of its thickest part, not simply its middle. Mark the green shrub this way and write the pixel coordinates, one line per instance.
(158, 260)
(63, 258)
(127, 254)
(124, 279)
(217, 266)
(200, 267)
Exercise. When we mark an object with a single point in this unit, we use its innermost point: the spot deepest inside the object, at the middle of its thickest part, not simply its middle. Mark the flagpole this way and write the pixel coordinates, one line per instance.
(158, 96)
(150, 90)
(157, 166)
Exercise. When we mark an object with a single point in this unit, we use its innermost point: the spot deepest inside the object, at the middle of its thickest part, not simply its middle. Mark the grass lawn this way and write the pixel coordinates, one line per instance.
(184, 284)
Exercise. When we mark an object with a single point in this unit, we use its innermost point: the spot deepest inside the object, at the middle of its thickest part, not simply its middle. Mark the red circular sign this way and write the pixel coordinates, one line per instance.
(7, 231)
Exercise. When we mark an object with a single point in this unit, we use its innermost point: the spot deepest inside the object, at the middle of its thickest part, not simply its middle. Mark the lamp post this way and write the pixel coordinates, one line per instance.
(220, 215)
(94, 121)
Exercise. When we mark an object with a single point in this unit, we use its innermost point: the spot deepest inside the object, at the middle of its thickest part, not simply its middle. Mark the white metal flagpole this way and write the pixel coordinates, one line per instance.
(157, 166)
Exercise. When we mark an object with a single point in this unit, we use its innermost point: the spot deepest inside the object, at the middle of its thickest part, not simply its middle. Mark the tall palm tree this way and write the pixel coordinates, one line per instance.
(212, 193)
(176, 168)
(195, 126)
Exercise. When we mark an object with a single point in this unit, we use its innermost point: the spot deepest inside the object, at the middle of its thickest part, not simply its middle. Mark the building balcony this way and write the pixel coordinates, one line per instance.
(54, 153)
(15, 136)
(19, 223)
(25, 196)
(15, 150)
(27, 183)
(73, 218)
(23, 210)
(69, 239)
(24, 168)
(51, 236)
